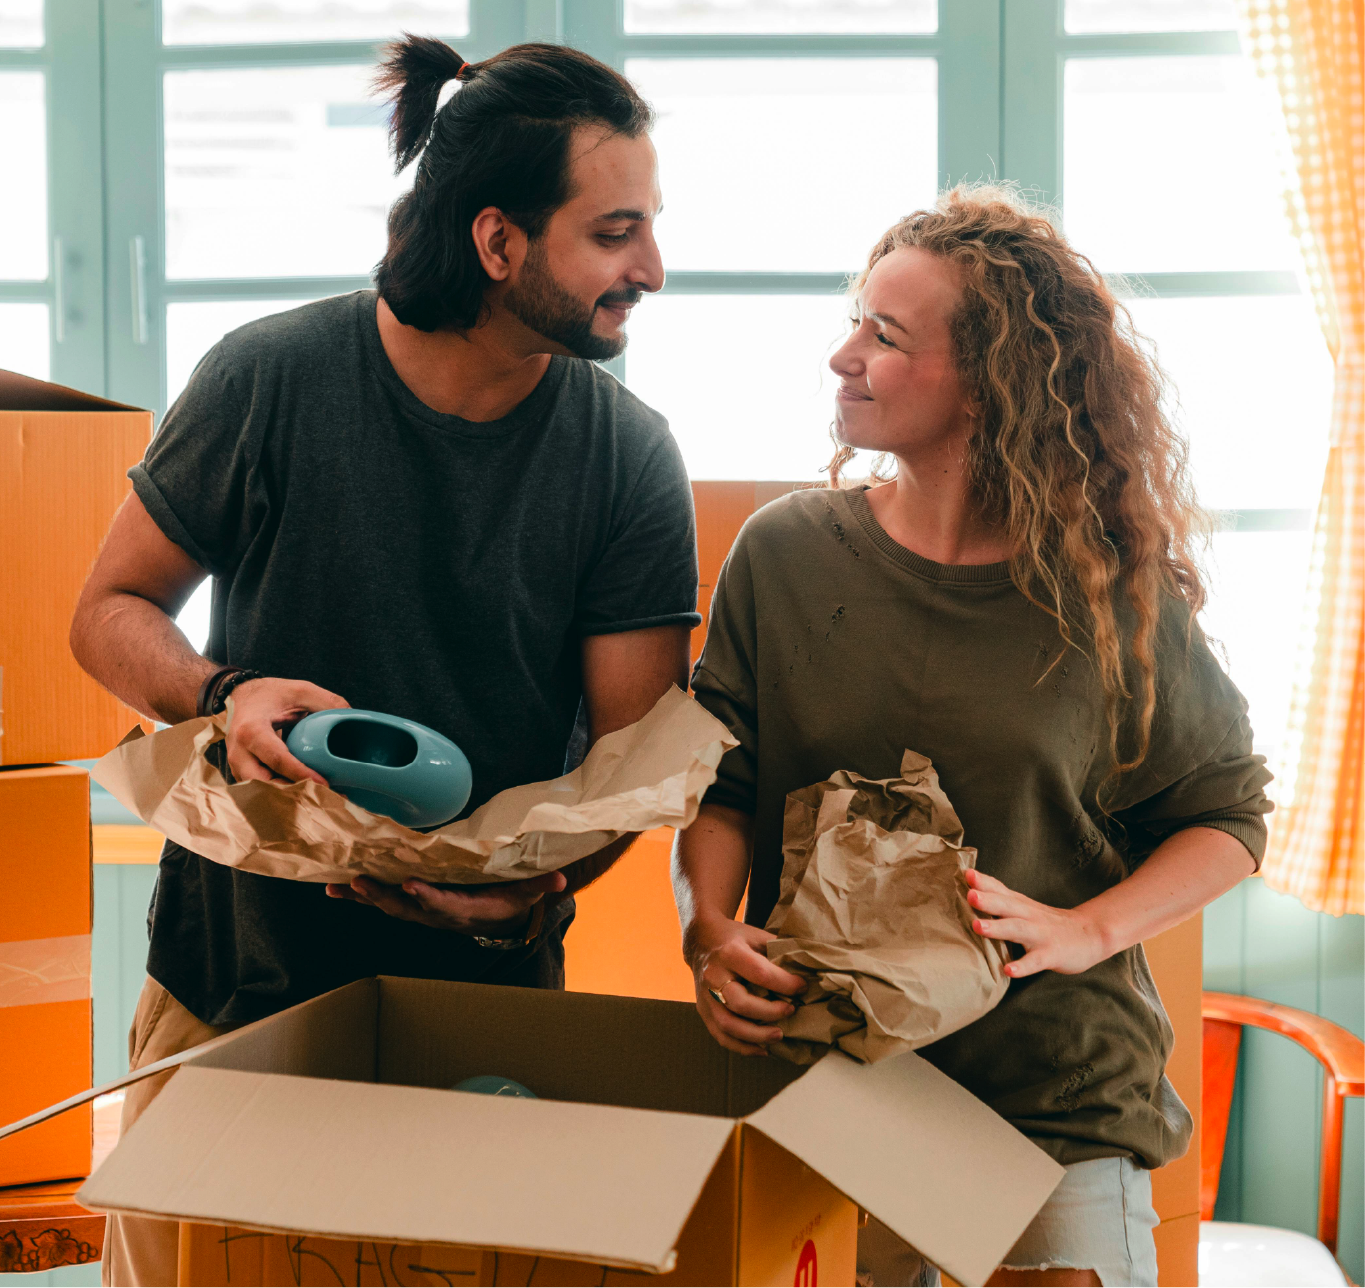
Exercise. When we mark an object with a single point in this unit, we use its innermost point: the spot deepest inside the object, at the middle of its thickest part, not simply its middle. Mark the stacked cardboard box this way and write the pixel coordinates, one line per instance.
(64, 456)
(45, 1049)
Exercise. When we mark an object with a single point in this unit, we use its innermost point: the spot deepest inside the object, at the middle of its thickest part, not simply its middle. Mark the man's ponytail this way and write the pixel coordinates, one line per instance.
(411, 73)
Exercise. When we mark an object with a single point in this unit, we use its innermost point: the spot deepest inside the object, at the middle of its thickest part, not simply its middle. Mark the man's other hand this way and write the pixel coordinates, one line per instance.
(497, 911)
(262, 710)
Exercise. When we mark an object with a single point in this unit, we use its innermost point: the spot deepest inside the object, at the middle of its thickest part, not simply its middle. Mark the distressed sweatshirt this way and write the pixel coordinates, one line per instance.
(832, 647)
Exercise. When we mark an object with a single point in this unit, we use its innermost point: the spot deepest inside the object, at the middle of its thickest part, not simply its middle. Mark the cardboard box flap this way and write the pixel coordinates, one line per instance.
(919, 1152)
(414, 1165)
(24, 393)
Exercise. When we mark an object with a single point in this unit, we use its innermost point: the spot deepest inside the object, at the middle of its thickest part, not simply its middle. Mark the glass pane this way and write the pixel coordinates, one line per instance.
(1257, 582)
(193, 329)
(1151, 15)
(194, 618)
(767, 418)
(699, 16)
(275, 172)
(24, 343)
(248, 22)
(1254, 381)
(21, 24)
(1170, 165)
(23, 211)
(788, 164)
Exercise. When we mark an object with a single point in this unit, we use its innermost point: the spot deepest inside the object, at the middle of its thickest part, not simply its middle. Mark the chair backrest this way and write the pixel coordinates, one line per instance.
(1342, 1056)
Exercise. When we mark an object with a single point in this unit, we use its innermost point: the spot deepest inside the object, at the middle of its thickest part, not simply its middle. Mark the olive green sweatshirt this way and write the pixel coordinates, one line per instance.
(832, 647)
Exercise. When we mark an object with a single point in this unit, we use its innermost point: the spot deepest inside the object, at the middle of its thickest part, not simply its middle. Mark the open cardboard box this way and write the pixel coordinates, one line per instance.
(653, 1152)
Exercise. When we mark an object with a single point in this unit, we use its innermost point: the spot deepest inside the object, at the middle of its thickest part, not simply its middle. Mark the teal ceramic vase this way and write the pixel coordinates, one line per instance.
(385, 764)
(488, 1084)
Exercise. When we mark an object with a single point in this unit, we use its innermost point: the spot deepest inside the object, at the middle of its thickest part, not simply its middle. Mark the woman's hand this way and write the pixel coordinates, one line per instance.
(1067, 940)
(1189, 869)
(726, 956)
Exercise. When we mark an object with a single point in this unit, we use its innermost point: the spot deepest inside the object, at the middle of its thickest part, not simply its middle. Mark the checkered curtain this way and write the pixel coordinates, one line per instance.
(1314, 53)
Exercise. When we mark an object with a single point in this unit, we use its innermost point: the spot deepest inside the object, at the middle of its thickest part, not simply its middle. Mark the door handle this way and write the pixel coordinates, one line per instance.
(137, 265)
(58, 290)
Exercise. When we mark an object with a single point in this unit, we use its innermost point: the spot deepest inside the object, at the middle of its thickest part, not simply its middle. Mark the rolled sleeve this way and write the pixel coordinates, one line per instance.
(647, 575)
(195, 477)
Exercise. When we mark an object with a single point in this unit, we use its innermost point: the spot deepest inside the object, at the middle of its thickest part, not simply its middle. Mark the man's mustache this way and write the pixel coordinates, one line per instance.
(612, 299)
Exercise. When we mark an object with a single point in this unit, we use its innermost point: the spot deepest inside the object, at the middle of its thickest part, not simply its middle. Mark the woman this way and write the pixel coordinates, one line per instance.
(1018, 604)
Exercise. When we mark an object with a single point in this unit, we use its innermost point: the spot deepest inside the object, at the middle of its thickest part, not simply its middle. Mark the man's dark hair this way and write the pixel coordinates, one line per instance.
(502, 140)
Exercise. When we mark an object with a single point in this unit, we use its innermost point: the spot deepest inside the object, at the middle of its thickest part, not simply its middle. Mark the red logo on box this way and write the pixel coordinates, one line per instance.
(806, 1275)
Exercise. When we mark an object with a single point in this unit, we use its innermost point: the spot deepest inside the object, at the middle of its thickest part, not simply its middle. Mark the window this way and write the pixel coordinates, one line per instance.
(243, 171)
(1170, 174)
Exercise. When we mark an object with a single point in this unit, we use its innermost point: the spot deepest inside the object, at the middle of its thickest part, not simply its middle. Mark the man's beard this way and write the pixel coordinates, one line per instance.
(541, 303)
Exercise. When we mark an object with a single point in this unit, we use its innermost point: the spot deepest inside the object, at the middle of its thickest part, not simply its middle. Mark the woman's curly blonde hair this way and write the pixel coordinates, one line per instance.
(1073, 455)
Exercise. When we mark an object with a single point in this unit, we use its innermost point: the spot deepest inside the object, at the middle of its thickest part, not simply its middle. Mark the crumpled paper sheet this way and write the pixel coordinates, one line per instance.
(650, 774)
(873, 911)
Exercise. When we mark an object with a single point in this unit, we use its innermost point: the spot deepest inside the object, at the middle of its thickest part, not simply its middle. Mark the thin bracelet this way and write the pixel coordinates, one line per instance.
(203, 703)
(223, 690)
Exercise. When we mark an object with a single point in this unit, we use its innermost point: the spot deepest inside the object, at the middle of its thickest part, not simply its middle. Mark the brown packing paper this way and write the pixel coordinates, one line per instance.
(873, 911)
(651, 774)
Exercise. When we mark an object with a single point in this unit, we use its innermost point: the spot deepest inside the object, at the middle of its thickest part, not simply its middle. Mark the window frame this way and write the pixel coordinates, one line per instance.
(73, 291)
(1001, 71)
(1037, 49)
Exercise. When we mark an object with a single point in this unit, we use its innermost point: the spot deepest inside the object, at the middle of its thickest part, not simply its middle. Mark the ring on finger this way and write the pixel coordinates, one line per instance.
(719, 996)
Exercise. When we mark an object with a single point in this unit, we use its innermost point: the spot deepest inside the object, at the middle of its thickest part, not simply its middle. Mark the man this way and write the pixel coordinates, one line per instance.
(422, 500)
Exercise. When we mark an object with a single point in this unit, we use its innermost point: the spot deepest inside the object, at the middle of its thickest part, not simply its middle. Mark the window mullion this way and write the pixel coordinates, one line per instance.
(1031, 103)
(134, 311)
(544, 20)
(969, 142)
(1192, 285)
(75, 195)
(759, 283)
(594, 27)
(16, 289)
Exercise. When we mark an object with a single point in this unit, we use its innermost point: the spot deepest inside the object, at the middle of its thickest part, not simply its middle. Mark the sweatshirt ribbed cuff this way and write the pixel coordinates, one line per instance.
(1248, 828)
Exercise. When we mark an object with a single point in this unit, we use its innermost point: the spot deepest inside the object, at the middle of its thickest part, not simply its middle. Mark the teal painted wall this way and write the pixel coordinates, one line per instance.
(1263, 944)
(118, 959)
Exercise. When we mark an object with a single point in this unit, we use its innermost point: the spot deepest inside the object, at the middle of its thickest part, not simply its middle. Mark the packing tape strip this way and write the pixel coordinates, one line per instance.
(33, 971)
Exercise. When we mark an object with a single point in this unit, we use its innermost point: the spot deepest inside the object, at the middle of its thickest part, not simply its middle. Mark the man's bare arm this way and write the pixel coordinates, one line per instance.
(124, 634)
(624, 675)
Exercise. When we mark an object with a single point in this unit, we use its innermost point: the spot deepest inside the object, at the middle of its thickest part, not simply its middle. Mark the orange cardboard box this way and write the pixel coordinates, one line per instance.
(64, 458)
(45, 1047)
(327, 1141)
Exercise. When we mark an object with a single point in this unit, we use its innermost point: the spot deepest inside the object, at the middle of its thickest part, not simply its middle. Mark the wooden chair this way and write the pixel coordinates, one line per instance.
(1342, 1056)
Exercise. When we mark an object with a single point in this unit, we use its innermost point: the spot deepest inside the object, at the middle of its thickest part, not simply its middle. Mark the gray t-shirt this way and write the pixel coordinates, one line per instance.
(415, 563)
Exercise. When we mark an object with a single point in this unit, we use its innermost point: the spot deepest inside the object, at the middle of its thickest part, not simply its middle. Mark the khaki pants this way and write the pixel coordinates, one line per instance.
(139, 1250)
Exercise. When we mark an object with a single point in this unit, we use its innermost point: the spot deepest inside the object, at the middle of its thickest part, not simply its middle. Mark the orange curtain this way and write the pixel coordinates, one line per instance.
(1314, 53)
